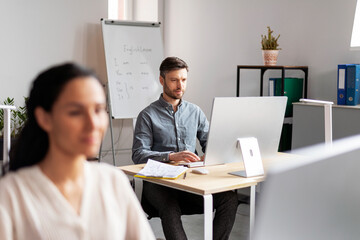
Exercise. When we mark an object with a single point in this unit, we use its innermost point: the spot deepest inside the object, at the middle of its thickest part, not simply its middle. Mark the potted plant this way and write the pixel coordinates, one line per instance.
(270, 48)
(17, 120)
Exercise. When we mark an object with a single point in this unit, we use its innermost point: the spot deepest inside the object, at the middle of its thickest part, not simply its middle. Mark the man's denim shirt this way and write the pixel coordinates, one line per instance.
(159, 131)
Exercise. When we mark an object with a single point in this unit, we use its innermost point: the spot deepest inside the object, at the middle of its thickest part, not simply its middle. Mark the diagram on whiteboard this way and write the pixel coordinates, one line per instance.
(133, 55)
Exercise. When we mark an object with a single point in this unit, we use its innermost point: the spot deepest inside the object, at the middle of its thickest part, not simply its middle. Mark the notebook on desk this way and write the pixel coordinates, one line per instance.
(242, 117)
(154, 169)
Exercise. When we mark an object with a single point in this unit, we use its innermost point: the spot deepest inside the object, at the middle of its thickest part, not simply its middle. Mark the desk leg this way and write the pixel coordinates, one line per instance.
(252, 209)
(138, 182)
(208, 216)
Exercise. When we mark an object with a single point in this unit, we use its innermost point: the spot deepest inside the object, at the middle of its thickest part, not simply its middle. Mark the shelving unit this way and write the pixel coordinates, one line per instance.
(263, 69)
(286, 138)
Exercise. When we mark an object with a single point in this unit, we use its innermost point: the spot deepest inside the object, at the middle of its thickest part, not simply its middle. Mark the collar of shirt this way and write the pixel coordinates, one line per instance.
(167, 105)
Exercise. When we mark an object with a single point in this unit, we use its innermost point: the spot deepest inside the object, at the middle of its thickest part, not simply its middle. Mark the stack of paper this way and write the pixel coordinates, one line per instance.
(155, 169)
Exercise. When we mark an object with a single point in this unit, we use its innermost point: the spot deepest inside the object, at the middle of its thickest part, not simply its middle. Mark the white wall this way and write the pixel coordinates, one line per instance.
(145, 10)
(214, 36)
(38, 33)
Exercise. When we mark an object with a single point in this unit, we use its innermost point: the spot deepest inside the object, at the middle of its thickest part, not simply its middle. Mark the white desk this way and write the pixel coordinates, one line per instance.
(218, 180)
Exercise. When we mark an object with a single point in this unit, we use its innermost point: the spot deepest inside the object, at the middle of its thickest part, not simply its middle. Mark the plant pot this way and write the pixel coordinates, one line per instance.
(270, 57)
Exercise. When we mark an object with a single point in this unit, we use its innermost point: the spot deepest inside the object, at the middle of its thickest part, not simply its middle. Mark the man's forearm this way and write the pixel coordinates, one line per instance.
(142, 156)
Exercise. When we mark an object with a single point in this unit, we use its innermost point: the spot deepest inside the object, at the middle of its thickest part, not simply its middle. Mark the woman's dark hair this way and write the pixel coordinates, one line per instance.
(33, 143)
(170, 64)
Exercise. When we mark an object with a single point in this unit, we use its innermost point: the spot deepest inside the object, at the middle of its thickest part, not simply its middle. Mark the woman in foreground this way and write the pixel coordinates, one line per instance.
(52, 191)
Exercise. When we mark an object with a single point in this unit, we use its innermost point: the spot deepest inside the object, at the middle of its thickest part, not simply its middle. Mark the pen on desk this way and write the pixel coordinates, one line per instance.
(184, 175)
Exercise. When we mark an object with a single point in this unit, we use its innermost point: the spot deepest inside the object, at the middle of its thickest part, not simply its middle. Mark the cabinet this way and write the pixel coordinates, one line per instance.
(286, 135)
(308, 123)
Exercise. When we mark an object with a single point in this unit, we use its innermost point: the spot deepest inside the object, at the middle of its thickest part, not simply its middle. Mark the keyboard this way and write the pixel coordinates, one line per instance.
(193, 164)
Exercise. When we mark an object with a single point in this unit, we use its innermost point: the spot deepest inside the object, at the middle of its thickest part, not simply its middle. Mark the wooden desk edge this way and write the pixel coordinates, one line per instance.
(131, 170)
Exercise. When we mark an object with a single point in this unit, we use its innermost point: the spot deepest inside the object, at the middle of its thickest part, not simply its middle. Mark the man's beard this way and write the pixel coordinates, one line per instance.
(171, 94)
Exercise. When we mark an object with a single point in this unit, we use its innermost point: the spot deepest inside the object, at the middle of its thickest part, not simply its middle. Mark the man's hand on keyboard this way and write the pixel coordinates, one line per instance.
(184, 156)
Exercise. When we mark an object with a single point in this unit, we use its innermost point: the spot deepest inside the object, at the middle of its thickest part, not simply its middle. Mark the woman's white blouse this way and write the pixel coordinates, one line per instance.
(32, 207)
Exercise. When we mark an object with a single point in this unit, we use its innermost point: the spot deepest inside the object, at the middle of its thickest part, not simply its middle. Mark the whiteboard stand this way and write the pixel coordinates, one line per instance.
(112, 138)
(99, 158)
(133, 53)
(7, 133)
(327, 117)
(111, 130)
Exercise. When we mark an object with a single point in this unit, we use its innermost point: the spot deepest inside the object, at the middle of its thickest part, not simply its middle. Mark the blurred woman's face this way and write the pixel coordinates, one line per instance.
(78, 119)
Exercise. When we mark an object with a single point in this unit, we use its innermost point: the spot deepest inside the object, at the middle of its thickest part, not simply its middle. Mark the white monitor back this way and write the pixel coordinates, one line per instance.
(240, 117)
(315, 196)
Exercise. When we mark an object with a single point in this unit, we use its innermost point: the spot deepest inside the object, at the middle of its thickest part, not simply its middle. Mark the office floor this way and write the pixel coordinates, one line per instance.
(194, 225)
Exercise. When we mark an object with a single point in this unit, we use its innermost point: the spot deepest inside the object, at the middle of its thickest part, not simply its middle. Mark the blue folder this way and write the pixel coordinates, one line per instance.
(341, 84)
(352, 84)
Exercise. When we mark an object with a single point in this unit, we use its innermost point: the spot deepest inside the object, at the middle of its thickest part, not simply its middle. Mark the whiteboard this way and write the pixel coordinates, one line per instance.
(133, 54)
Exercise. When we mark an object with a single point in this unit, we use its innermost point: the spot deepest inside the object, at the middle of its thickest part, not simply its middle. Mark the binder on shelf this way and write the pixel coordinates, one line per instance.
(293, 89)
(285, 138)
(272, 87)
(341, 84)
(352, 84)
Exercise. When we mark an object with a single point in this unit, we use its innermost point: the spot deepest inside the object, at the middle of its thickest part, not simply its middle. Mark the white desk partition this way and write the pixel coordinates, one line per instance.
(327, 116)
(315, 195)
(7, 132)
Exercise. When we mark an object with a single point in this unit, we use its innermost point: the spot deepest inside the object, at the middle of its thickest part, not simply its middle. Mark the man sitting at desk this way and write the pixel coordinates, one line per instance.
(166, 131)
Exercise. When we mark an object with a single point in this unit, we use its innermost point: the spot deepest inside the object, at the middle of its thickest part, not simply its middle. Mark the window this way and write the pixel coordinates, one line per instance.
(116, 9)
(138, 10)
(355, 37)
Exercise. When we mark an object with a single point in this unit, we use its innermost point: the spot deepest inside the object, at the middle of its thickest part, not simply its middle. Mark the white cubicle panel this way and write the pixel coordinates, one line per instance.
(313, 197)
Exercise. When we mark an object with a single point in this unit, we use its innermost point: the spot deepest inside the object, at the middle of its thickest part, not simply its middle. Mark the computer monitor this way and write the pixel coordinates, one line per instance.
(241, 117)
(315, 196)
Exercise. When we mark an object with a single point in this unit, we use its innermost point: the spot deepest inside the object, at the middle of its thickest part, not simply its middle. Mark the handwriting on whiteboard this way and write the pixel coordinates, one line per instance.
(132, 74)
(136, 49)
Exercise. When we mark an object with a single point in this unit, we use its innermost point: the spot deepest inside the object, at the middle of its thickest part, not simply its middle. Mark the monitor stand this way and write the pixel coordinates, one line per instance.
(239, 173)
(251, 158)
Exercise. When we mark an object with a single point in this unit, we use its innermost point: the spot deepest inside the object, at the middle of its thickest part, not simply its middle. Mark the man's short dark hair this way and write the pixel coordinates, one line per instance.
(170, 64)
